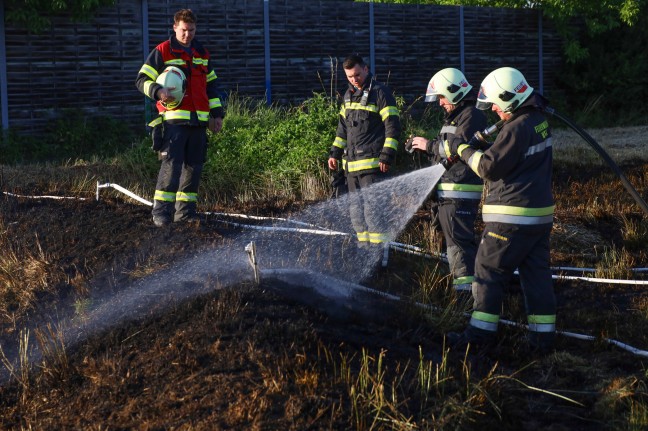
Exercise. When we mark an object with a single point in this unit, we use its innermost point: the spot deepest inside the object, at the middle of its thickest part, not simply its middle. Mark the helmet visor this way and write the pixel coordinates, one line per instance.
(431, 97)
(482, 100)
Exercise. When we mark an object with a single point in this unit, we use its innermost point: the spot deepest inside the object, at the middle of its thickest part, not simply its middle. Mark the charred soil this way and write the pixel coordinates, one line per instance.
(244, 357)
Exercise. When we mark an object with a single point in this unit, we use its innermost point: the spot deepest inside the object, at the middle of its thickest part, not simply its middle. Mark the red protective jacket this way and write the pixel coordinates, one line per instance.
(201, 98)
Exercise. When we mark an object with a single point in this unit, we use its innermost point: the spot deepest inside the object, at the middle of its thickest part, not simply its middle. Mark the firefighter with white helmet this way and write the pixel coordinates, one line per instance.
(179, 76)
(458, 194)
(517, 211)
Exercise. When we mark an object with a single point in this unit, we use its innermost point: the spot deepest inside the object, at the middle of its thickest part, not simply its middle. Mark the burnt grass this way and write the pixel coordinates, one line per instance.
(246, 357)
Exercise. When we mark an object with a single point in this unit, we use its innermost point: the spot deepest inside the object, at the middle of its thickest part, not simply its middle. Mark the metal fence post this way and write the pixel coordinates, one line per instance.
(266, 43)
(462, 44)
(372, 40)
(3, 72)
(540, 54)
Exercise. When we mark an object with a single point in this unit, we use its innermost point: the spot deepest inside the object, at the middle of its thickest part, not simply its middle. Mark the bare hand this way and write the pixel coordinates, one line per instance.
(215, 124)
(420, 143)
(384, 167)
(332, 164)
(165, 94)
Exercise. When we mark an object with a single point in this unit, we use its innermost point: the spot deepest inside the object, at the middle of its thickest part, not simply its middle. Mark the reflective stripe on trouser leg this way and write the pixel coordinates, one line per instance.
(484, 321)
(173, 157)
(356, 208)
(457, 219)
(537, 284)
(195, 155)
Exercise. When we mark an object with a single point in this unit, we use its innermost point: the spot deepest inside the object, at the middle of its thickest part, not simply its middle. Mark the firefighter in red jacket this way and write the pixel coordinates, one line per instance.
(517, 211)
(459, 192)
(183, 147)
(367, 137)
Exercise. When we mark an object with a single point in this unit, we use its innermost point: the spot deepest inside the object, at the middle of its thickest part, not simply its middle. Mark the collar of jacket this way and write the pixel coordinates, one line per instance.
(461, 106)
(535, 101)
(175, 45)
(367, 82)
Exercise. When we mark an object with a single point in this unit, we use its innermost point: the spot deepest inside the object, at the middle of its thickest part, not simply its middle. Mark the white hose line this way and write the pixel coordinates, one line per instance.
(42, 197)
(624, 346)
(284, 229)
(124, 191)
(321, 231)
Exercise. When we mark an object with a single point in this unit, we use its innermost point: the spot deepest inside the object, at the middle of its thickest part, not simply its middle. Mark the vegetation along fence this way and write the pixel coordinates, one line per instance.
(283, 50)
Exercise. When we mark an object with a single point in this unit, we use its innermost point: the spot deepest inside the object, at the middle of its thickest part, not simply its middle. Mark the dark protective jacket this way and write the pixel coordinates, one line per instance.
(201, 98)
(368, 128)
(459, 182)
(517, 167)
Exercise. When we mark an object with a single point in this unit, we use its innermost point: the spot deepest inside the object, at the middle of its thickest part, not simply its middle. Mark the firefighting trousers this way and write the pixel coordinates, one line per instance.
(457, 220)
(183, 153)
(365, 216)
(503, 249)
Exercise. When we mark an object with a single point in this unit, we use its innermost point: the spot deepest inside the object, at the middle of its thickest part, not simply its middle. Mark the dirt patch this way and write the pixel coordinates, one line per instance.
(247, 358)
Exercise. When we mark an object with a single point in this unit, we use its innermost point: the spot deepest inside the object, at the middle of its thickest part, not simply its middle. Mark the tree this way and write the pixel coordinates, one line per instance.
(598, 16)
(35, 14)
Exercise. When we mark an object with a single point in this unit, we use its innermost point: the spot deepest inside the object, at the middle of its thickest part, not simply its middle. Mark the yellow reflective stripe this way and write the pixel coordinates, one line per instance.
(149, 71)
(339, 142)
(203, 115)
(177, 115)
(485, 317)
(344, 164)
(161, 195)
(464, 280)
(461, 187)
(187, 197)
(363, 236)
(446, 148)
(497, 236)
(473, 162)
(542, 318)
(377, 237)
(542, 323)
(484, 321)
(147, 86)
(461, 148)
(387, 111)
(356, 105)
(211, 76)
(215, 103)
(200, 61)
(360, 165)
(391, 143)
(518, 211)
(156, 122)
(342, 110)
(175, 62)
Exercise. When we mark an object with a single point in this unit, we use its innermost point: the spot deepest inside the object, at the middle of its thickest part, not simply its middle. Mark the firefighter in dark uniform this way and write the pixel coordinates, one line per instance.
(517, 211)
(183, 147)
(368, 129)
(459, 192)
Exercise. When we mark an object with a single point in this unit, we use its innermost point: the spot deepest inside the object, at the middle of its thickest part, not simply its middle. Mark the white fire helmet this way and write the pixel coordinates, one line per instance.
(506, 87)
(449, 83)
(175, 81)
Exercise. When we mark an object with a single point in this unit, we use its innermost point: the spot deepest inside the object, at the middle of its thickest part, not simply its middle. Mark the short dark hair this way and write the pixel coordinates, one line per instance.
(352, 61)
(185, 15)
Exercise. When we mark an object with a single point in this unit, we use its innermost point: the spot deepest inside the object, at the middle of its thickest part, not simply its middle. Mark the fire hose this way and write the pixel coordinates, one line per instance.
(480, 139)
